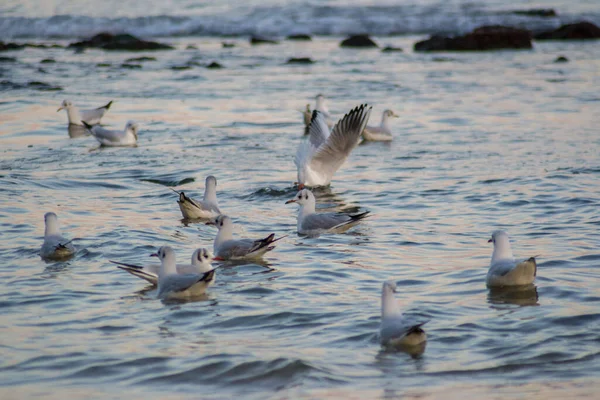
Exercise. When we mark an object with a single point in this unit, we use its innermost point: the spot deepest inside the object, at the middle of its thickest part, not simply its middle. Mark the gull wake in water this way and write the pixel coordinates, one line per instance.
(504, 269)
(323, 152)
(76, 116)
(381, 133)
(397, 329)
(55, 246)
(205, 209)
(313, 223)
(113, 138)
(149, 272)
(228, 248)
(172, 285)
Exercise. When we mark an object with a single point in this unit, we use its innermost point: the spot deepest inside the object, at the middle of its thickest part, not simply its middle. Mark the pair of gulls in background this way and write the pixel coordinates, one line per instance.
(381, 133)
(90, 119)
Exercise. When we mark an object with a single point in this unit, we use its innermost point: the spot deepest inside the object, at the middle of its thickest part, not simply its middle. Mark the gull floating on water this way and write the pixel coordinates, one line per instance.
(324, 152)
(228, 248)
(320, 106)
(312, 223)
(381, 133)
(200, 264)
(172, 285)
(397, 329)
(55, 246)
(110, 138)
(504, 269)
(205, 209)
(76, 116)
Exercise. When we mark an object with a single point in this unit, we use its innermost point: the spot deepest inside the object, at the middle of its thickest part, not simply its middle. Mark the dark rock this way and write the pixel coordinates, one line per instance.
(390, 49)
(45, 87)
(536, 12)
(481, 39)
(131, 66)
(257, 40)
(358, 41)
(577, 31)
(300, 36)
(123, 41)
(561, 59)
(214, 65)
(191, 47)
(47, 61)
(7, 60)
(103, 65)
(20, 46)
(227, 45)
(301, 60)
(442, 59)
(140, 59)
(181, 67)
(10, 46)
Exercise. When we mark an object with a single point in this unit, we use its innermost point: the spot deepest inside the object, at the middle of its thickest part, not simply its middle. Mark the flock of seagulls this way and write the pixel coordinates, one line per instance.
(317, 159)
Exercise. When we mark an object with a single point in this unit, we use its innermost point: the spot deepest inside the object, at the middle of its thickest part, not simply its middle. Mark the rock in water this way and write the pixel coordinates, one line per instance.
(123, 41)
(299, 36)
(254, 40)
(358, 41)
(577, 31)
(561, 59)
(483, 38)
(300, 60)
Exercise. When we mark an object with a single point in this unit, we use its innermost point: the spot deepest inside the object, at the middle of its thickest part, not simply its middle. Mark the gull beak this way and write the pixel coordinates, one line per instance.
(59, 109)
(290, 201)
(153, 255)
(490, 241)
(218, 259)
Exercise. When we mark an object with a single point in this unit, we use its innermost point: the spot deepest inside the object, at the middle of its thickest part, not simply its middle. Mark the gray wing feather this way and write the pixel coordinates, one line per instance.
(324, 221)
(106, 134)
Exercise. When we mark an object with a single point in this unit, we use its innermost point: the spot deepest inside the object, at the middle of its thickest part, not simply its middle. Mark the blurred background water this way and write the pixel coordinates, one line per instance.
(485, 141)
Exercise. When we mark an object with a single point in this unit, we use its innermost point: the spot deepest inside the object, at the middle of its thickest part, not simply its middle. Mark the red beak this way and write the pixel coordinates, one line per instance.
(490, 241)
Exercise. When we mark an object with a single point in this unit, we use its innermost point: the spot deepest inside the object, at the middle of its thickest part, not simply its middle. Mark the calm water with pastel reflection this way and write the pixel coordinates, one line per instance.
(499, 140)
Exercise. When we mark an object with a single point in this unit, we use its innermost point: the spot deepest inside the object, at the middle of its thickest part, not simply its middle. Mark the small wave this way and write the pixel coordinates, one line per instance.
(281, 21)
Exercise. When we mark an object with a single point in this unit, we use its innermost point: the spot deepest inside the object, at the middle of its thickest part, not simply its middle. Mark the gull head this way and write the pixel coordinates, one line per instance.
(389, 287)
(132, 127)
(303, 197)
(202, 256)
(210, 181)
(390, 114)
(164, 254)
(320, 99)
(501, 243)
(221, 222)
(65, 105)
(499, 238)
(51, 221)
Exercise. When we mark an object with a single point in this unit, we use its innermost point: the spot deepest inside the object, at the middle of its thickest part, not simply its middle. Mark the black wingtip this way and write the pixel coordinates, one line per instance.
(358, 217)
(107, 106)
(87, 126)
(416, 329)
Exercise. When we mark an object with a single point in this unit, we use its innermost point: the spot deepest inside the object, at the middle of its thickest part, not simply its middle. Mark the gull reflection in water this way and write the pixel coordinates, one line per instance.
(526, 295)
(76, 131)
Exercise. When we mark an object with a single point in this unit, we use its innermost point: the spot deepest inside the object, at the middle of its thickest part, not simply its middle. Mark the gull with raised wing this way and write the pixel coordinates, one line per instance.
(200, 264)
(228, 248)
(55, 246)
(396, 329)
(110, 138)
(504, 269)
(313, 223)
(172, 285)
(381, 133)
(205, 209)
(76, 116)
(324, 152)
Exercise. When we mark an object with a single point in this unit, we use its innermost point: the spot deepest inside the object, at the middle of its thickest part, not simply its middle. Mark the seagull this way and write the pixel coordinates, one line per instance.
(504, 269)
(76, 116)
(320, 106)
(172, 285)
(200, 264)
(312, 223)
(396, 329)
(228, 248)
(106, 137)
(381, 133)
(205, 209)
(323, 153)
(55, 246)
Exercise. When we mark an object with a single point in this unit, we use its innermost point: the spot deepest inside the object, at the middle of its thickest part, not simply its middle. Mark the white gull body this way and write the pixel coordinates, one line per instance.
(115, 138)
(397, 329)
(55, 246)
(205, 209)
(504, 269)
(91, 117)
(381, 133)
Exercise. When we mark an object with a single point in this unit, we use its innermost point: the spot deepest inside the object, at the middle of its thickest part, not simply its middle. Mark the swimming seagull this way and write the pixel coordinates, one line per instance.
(323, 153)
(397, 329)
(381, 133)
(55, 246)
(228, 248)
(76, 116)
(312, 223)
(207, 208)
(172, 285)
(200, 264)
(504, 269)
(320, 106)
(110, 138)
